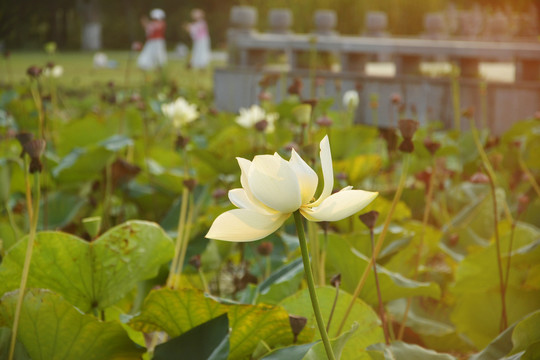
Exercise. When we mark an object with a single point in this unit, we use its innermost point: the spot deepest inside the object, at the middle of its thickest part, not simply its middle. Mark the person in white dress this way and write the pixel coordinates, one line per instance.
(198, 30)
(154, 52)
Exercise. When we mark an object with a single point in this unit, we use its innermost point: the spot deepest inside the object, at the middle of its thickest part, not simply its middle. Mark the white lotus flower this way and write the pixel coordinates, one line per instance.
(55, 72)
(351, 99)
(180, 112)
(248, 118)
(273, 188)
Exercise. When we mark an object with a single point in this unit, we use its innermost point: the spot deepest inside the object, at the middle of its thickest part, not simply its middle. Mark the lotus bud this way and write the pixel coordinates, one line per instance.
(369, 219)
(335, 281)
(195, 261)
(190, 184)
(431, 146)
(35, 149)
(92, 225)
(479, 178)
(181, 142)
(297, 325)
(24, 137)
(324, 121)
(296, 87)
(33, 71)
(523, 203)
(219, 193)
(407, 127)
(302, 113)
(265, 248)
(265, 96)
(261, 125)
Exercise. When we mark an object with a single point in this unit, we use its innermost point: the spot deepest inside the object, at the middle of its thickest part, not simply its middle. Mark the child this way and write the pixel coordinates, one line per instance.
(200, 55)
(154, 52)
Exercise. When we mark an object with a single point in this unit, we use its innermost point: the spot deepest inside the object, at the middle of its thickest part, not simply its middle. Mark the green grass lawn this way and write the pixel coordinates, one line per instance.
(79, 70)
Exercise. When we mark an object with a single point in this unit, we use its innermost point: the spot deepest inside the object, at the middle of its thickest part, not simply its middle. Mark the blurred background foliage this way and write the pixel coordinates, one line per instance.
(27, 24)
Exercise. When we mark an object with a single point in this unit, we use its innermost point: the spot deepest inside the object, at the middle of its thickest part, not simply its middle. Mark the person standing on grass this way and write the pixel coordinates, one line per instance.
(154, 52)
(198, 29)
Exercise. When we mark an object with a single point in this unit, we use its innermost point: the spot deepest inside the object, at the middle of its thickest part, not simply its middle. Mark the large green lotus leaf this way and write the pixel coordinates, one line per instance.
(316, 350)
(359, 167)
(353, 141)
(474, 218)
(477, 314)
(477, 289)
(432, 260)
(380, 204)
(61, 209)
(350, 263)
(399, 350)
(90, 275)
(5, 338)
(431, 322)
(84, 132)
(208, 341)
(281, 283)
(369, 330)
(84, 164)
(526, 335)
(177, 311)
(51, 328)
(224, 147)
(478, 271)
(7, 236)
(498, 348)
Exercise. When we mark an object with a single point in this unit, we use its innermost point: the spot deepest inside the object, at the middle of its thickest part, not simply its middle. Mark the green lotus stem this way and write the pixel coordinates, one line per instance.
(185, 242)
(12, 222)
(487, 166)
(504, 318)
(268, 267)
(510, 246)
(107, 195)
(333, 308)
(37, 100)
(427, 211)
(29, 206)
(456, 102)
(26, 266)
(315, 250)
(179, 236)
(311, 285)
(203, 281)
(530, 176)
(380, 240)
(379, 296)
(483, 103)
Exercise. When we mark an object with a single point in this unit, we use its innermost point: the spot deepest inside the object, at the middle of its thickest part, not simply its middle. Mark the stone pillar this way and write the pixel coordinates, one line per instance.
(376, 23)
(498, 26)
(242, 21)
(325, 22)
(280, 21)
(435, 26)
(243, 18)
